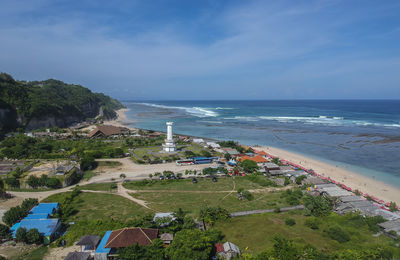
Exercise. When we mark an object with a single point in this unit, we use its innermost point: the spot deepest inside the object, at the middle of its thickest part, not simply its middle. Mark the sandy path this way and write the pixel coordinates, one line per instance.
(132, 171)
(351, 179)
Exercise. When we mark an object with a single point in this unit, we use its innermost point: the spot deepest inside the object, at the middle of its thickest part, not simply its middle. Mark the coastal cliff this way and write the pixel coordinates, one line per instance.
(36, 104)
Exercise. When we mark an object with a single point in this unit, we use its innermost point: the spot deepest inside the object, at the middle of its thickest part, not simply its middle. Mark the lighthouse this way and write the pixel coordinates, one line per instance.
(169, 145)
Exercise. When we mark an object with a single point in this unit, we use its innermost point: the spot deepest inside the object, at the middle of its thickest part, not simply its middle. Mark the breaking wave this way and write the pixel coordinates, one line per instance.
(195, 111)
(322, 120)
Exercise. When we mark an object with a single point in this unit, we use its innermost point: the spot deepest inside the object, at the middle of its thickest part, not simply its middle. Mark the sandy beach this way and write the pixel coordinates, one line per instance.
(351, 179)
(121, 119)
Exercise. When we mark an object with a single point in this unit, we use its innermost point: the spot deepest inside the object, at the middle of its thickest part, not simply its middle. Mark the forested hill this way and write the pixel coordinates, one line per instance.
(37, 104)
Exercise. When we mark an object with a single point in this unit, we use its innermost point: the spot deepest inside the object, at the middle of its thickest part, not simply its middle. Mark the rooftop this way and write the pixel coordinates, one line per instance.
(129, 236)
(44, 208)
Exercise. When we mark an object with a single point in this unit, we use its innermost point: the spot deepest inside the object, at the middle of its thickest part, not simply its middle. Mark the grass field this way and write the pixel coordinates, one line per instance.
(193, 202)
(256, 231)
(36, 254)
(104, 186)
(204, 184)
(108, 164)
(90, 206)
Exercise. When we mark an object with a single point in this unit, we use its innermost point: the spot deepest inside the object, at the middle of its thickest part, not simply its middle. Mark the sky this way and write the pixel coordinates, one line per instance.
(207, 49)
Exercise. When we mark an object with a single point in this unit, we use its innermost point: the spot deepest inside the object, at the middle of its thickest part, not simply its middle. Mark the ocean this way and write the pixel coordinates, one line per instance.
(361, 135)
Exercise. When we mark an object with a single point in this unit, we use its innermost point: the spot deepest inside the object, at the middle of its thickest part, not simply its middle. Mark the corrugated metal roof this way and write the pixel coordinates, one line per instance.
(43, 208)
(100, 248)
(45, 226)
(37, 216)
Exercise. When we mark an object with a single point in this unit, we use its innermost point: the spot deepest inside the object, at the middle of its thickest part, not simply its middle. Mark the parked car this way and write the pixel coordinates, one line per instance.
(214, 179)
(194, 180)
(161, 177)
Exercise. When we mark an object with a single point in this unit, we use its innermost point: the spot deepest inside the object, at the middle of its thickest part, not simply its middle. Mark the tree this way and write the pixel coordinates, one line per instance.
(12, 181)
(33, 181)
(300, 179)
(290, 222)
(284, 249)
(4, 232)
(227, 156)
(21, 235)
(53, 183)
(317, 206)
(249, 166)
(34, 237)
(190, 244)
(212, 214)
(88, 163)
(122, 175)
(393, 206)
(151, 176)
(136, 252)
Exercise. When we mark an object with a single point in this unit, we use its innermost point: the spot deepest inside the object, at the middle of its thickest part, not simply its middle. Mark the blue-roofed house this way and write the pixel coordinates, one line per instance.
(49, 228)
(37, 216)
(45, 208)
(101, 251)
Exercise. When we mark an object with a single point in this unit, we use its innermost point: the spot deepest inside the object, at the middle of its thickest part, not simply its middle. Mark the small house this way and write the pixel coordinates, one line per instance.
(227, 250)
(167, 238)
(165, 217)
(107, 130)
(88, 243)
(271, 166)
(78, 256)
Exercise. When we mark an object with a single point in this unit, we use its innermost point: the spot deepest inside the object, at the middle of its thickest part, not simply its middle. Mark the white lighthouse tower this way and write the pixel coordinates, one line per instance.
(169, 145)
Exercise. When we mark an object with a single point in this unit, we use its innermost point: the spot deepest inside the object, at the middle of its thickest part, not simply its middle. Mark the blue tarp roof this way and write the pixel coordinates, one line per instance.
(45, 226)
(14, 228)
(37, 216)
(44, 208)
(103, 242)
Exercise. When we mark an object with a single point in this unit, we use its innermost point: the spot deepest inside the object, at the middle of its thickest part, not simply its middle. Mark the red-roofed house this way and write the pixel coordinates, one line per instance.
(128, 236)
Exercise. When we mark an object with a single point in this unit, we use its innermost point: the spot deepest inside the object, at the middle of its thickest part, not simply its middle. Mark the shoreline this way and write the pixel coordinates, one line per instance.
(347, 177)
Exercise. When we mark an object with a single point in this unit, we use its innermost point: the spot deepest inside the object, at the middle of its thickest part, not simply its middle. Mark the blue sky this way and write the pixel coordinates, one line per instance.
(207, 49)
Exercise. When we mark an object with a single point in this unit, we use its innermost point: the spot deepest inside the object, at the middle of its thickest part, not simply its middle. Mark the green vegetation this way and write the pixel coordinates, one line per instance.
(105, 186)
(249, 166)
(43, 181)
(4, 232)
(50, 99)
(290, 222)
(31, 236)
(36, 254)
(25, 147)
(211, 214)
(193, 201)
(108, 164)
(258, 232)
(153, 251)
(99, 206)
(19, 212)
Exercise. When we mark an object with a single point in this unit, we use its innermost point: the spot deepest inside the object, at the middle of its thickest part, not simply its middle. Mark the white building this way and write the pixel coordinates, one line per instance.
(169, 145)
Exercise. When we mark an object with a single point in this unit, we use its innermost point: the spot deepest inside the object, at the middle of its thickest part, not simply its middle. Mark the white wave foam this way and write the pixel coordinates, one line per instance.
(196, 111)
(333, 121)
(224, 108)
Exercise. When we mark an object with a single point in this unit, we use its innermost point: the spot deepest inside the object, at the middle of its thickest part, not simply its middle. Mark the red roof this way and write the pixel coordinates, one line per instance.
(262, 153)
(128, 236)
(257, 159)
(219, 247)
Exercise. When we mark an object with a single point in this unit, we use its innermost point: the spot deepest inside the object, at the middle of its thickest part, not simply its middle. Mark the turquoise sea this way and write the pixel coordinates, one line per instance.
(363, 135)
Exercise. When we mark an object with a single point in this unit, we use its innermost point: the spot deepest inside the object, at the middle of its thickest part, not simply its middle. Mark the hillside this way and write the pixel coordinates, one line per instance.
(49, 103)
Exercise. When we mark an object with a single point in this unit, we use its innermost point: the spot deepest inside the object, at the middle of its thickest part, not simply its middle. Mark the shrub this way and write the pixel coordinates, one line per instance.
(290, 222)
(21, 235)
(247, 195)
(4, 232)
(34, 237)
(338, 234)
(312, 223)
